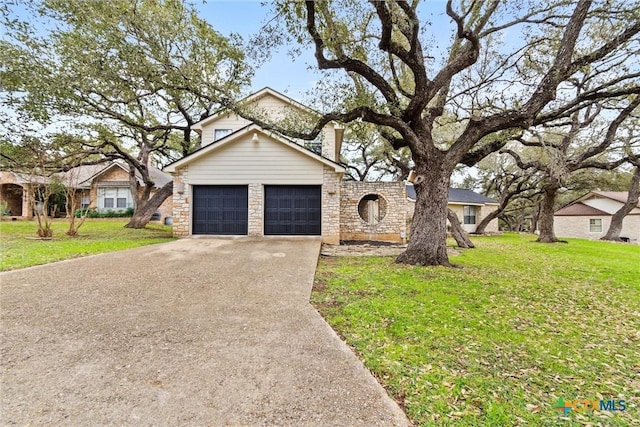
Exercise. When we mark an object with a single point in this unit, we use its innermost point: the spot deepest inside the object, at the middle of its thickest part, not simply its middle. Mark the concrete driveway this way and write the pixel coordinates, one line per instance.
(192, 332)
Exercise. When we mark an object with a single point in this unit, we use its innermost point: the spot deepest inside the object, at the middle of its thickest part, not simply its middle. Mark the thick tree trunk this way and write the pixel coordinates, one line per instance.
(428, 238)
(545, 220)
(458, 233)
(146, 208)
(613, 233)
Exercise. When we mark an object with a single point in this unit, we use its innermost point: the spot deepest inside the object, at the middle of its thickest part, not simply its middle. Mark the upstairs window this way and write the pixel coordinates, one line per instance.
(469, 213)
(221, 133)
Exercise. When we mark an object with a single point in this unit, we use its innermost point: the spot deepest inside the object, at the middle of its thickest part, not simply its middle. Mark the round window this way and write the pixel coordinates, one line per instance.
(372, 208)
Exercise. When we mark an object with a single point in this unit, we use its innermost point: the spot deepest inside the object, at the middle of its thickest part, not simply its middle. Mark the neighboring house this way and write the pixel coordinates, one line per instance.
(469, 206)
(589, 216)
(15, 193)
(246, 180)
(102, 187)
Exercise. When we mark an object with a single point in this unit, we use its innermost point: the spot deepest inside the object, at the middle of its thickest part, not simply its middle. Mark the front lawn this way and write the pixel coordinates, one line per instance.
(19, 250)
(501, 340)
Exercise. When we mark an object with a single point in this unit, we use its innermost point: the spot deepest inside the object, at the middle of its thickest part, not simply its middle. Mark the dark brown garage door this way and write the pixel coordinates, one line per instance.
(292, 210)
(220, 209)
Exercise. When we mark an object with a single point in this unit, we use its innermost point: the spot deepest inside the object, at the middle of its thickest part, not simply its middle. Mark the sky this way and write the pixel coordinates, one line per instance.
(246, 18)
(282, 72)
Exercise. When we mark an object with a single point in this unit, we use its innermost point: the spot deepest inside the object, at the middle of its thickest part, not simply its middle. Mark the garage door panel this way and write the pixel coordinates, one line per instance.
(219, 209)
(293, 210)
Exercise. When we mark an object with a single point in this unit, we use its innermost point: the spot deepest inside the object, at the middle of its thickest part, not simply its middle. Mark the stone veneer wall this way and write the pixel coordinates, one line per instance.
(331, 203)
(181, 210)
(391, 228)
(256, 210)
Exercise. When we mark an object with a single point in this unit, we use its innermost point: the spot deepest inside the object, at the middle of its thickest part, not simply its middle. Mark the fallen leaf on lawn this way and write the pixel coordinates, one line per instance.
(533, 408)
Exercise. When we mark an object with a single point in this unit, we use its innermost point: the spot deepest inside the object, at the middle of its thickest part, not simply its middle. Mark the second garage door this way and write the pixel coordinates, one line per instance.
(292, 210)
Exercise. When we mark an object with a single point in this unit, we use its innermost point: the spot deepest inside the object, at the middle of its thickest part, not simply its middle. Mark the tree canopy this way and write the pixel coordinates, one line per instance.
(507, 67)
(129, 78)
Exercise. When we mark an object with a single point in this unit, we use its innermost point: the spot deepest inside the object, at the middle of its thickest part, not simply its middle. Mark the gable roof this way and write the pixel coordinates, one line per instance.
(83, 175)
(618, 196)
(457, 195)
(577, 208)
(580, 209)
(254, 97)
(229, 139)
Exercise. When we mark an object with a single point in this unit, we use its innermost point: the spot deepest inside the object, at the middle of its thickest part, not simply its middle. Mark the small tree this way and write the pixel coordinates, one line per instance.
(73, 203)
(43, 190)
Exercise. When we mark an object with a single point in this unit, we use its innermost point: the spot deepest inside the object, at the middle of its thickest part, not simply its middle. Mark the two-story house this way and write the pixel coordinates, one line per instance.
(245, 180)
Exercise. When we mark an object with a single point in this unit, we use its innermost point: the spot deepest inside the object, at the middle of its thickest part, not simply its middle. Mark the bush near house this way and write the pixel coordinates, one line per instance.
(93, 213)
(500, 340)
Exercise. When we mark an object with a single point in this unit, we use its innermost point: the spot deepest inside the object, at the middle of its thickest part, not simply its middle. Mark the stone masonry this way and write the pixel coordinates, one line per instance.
(392, 211)
(331, 203)
(181, 210)
(256, 209)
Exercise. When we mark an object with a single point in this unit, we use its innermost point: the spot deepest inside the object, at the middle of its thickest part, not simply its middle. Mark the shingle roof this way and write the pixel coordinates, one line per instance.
(457, 195)
(84, 174)
(580, 209)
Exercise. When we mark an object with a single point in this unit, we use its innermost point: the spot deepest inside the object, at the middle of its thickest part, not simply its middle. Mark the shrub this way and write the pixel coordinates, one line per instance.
(93, 213)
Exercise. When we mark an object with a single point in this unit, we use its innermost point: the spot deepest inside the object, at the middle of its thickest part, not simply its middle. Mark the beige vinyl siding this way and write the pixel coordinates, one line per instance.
(265, 162)
(231, 121)
(268, 105)
(272, 104)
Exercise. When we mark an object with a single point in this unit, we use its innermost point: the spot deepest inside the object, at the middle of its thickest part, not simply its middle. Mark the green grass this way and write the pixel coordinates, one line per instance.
(96, 236)
(498, 341)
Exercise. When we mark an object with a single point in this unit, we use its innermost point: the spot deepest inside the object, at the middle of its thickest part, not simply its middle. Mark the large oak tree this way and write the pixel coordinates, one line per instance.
(505, 69)
(132, 76)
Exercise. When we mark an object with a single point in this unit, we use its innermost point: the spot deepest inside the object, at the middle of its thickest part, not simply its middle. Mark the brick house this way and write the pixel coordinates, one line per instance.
(589, 216)
(102, 187)
(245, 180)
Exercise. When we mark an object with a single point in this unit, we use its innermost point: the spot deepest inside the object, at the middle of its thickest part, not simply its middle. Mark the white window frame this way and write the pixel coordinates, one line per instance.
(595, 222)
(469, 211)
(221, 133)
(113, 194)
